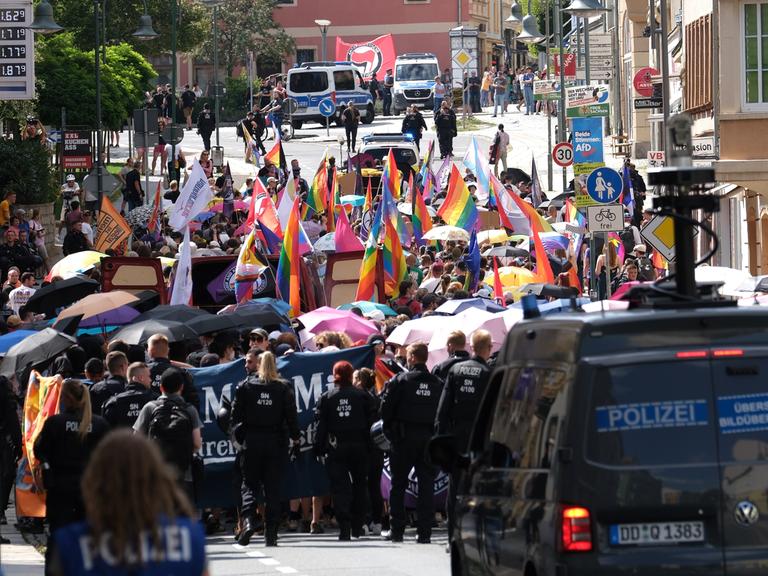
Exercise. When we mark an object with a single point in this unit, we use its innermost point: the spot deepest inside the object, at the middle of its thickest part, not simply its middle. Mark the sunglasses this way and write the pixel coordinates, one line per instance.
(257, 338)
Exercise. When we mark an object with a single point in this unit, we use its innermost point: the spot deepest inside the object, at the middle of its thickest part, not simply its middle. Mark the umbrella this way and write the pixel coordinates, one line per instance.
(8, 340)
(506, 252)
(548, 290)
(352, 199)
(562, 305)
(253, 317)
(553, 240)
(447, 233)
(407, 209)
(212, 323)
(520, 238)
(176, 312)
(147, 299)
(469, 321)
(34, 350)
(367, 307)
(97, 304)
(218, 206)
(492, 236)
(203, 216)
(279, 306)
(116, 317)
(420, 330)
(516, 176)
(75, 264)
(326, 318)
(61, 293)
(326, 242)
(139, 217)
(140, 332)
(511, 276)
(453, 307)
(565, 227)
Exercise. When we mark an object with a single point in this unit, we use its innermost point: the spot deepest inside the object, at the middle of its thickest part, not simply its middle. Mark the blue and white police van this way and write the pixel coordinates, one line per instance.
(312, 82)
(414, 81)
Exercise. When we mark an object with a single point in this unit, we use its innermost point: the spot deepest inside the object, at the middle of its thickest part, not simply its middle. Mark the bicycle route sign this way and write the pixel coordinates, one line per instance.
(605, 218)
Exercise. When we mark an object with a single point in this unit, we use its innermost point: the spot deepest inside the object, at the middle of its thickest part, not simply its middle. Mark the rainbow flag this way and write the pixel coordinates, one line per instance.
(276, 156)
(543, 267)
(425, 171)
(393, 256)
(459, 208)
(250, 265)
(366, 285)
(155, 225)
(615, 239)
(288, 275)
(496, 193)
(422, 221)
(391, 176)
(317, 192)
(251, 148)
(535, 219)
(333, 199)
(573, 216)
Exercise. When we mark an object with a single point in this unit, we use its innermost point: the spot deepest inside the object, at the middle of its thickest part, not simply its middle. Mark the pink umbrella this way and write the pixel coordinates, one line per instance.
(239, 205)
(326, 318)
(420, 330)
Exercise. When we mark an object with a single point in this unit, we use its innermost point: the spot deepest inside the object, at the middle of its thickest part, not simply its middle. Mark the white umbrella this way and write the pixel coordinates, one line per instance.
(468, 322)
(419, 330)
(407, 209)
(326, 243)
(447, 233)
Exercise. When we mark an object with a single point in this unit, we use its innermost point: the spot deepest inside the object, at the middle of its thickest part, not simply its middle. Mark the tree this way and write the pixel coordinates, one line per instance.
(122, 20)
(246, 25)
(65, 79)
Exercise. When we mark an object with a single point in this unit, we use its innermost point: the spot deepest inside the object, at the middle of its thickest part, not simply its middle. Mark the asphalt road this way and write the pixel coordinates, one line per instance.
(324, 555)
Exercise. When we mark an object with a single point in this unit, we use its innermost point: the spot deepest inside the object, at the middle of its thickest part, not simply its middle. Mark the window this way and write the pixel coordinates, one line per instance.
(305, 55)
(305, 82)
(755, 54)
(344, 80)
(697, 95)
(652, 414)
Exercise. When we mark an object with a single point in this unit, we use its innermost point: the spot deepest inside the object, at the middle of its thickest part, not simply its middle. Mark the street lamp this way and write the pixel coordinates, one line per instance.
(530, 33)
(215, 5)
(516, 16)
(44, 23)
(585, 8)
(323, 24)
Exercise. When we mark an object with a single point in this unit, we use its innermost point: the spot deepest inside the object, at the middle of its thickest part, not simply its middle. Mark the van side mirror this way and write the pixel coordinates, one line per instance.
(443, 453)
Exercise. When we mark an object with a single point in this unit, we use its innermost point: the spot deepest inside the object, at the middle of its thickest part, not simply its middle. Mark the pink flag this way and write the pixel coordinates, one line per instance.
(345, 238)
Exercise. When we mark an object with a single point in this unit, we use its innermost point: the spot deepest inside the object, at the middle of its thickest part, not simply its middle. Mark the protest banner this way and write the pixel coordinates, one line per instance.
(111, 228)
(373, 57)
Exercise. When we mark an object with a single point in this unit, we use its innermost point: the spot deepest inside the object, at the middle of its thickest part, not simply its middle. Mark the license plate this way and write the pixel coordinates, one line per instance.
(656, 533)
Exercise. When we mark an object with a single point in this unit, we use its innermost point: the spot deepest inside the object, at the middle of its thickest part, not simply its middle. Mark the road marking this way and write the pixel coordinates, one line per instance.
(256, 554)
(286, 569)
(269, 561)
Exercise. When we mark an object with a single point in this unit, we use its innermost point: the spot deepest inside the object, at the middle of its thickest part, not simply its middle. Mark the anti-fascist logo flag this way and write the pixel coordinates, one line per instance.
(373, 57)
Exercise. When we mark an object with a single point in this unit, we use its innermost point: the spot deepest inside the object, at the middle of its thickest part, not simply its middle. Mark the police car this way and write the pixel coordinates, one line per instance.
(414, 81)
(312, 82)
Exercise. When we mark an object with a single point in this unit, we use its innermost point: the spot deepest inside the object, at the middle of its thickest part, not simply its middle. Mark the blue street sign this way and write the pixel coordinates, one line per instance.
(587, 140)
(604, 185)
(327, 107)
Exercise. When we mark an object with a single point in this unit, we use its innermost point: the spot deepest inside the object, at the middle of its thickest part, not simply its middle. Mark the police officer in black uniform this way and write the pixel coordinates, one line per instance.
(408, 409)
(112, 385)
(456, 343)
(344, 418)
(122, 410)
(464, 388)
(206, 124)
(263, 419)
(158, 350)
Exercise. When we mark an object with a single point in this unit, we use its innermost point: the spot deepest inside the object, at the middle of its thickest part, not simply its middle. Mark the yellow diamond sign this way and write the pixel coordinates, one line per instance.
(462, 58)
(660, 234)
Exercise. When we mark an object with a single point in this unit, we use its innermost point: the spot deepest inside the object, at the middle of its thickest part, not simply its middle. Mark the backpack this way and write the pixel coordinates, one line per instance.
(171, 427)
(645, 271)
(627, 237)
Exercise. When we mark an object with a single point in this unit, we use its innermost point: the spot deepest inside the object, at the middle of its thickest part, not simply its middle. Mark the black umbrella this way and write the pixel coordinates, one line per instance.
(147, 299)
(69, 325)
(175, 312)
(210, 323)
(140, 332)
(61, 293)
(257, 317)
(35, 350)
(516, 176)
(549, 290)
(506, 252)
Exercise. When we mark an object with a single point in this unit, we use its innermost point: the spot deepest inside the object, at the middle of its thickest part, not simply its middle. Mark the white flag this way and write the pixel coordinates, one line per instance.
(194, 198)
(181, 293)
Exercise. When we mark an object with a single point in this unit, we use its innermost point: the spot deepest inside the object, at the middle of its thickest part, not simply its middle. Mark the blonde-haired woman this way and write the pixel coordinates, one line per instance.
(64, 447)
(137, 519)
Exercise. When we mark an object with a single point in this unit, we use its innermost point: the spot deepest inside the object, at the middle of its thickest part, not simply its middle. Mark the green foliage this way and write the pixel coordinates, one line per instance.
(246, 25)
(26, 169)
(66, 79)
(122, 20)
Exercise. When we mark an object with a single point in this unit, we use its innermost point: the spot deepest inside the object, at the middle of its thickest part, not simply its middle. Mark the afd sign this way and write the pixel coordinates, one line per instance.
(310, 374)
(587, 140)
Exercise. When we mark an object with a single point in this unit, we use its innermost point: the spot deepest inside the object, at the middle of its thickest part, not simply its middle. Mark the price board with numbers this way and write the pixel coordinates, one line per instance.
(17, 51)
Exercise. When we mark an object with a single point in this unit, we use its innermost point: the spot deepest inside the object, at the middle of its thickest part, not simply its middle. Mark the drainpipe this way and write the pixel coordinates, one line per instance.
(716, 75)
(458, 12)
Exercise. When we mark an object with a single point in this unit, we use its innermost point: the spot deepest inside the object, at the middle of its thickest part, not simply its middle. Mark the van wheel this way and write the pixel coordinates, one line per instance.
(297, 124)
(369, 114)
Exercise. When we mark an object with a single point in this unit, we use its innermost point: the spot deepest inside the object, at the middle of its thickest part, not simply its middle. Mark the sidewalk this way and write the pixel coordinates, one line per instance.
(18, 558)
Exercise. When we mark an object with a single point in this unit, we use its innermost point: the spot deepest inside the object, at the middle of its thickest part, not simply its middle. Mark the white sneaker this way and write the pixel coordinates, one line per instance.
(375, 529)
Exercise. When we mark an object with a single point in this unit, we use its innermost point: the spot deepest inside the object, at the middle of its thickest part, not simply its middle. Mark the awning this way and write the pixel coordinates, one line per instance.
(723, 189)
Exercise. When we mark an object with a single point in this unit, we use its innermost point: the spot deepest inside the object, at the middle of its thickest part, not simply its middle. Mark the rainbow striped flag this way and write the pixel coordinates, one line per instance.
(276, 155)
(536, 220)
(250, 265)
(393, 256)
(391, 176)
(426, 171)
(155, 223)
(543, 267)
(333, 199)
(459, 208)
(422, 221)
(288, 275)
(317, 191)
(366, 285)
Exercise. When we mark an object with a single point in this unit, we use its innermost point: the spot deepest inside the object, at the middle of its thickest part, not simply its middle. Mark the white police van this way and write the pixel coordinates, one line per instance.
(311, 82)
(414, 81)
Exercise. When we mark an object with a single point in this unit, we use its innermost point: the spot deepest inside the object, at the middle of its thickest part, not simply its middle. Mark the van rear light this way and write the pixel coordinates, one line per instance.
(728, 353)
(691, 354)
(576, 529)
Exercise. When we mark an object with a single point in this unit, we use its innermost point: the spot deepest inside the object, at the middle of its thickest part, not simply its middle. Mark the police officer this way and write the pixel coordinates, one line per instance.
(112, 385)
(123, 409)
(389, 83)
(456, 344)
(344, 417)
(408, 409)
(464, 388)
(206, 124)
(158, 349)
(263, 414)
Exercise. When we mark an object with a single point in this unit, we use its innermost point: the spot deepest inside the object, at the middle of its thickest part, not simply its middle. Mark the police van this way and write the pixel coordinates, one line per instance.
(312, 82)
(628, 442)
(414, 81)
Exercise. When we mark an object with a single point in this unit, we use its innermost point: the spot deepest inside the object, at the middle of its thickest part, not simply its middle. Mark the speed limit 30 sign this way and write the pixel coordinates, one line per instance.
(562, 154)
